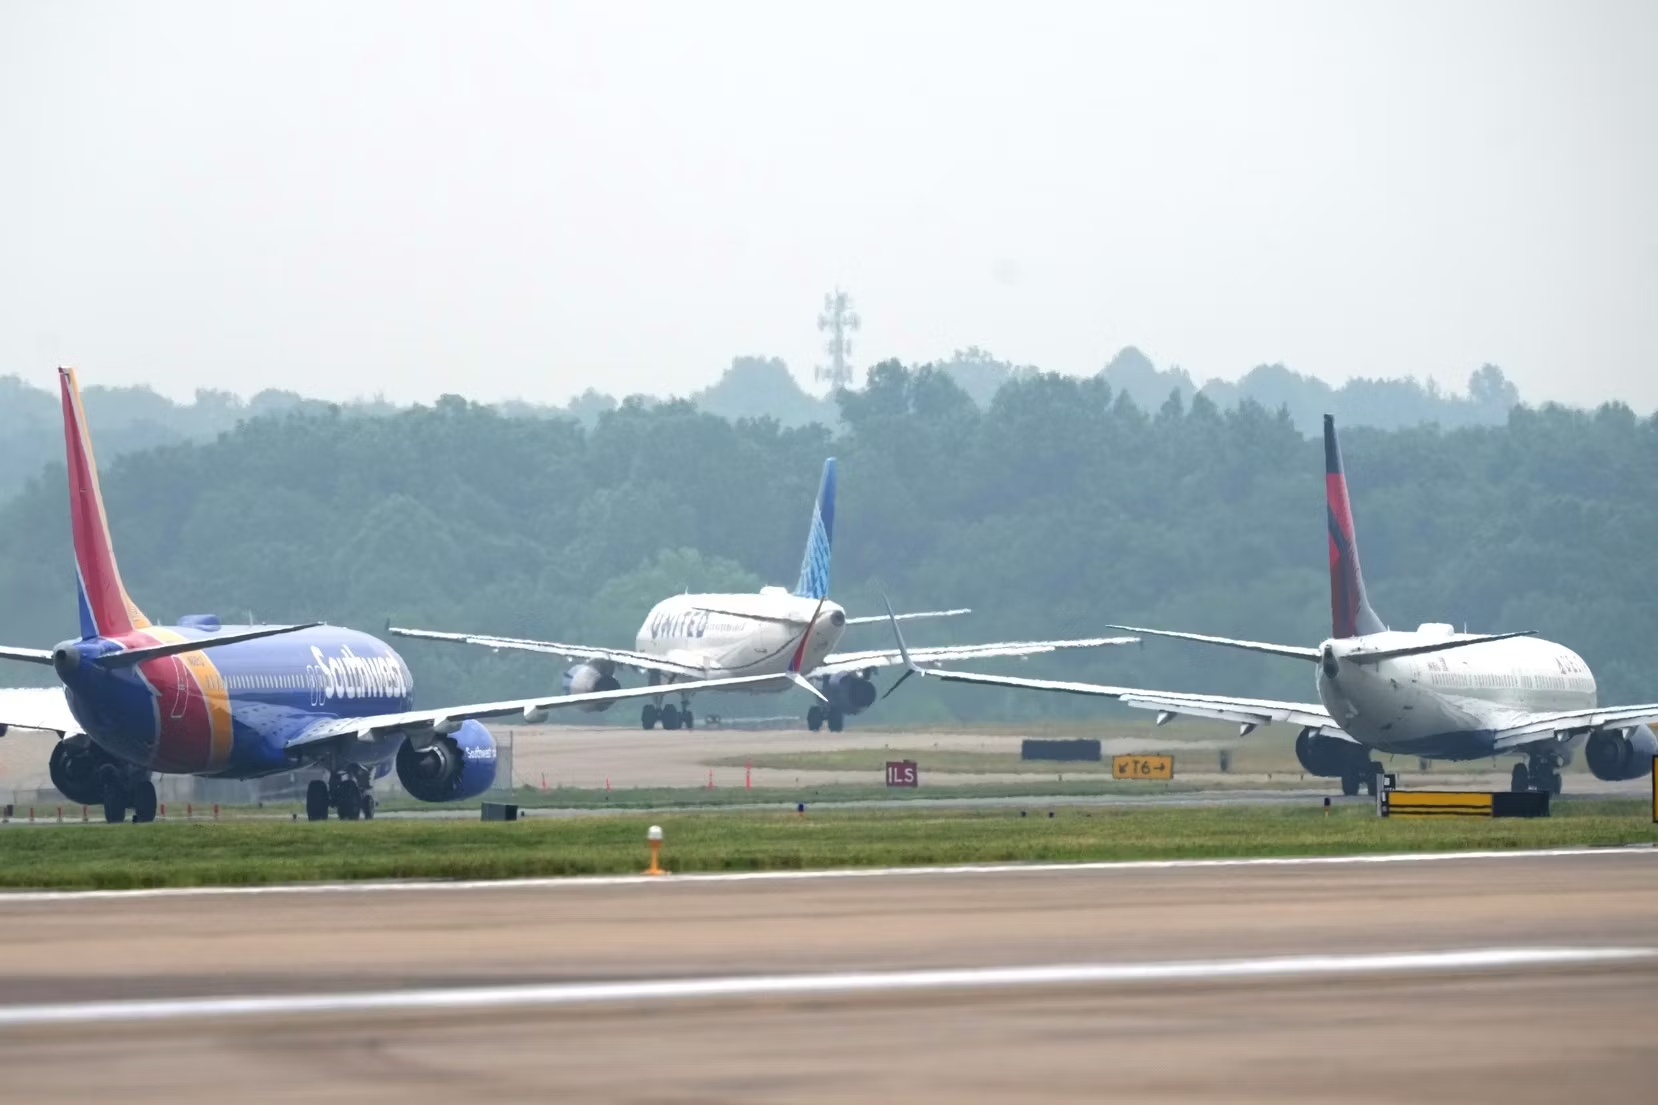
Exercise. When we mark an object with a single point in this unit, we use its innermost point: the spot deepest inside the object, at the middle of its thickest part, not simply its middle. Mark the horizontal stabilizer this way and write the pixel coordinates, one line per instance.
(1294, 651)
(27, 655)
(154, 652)
(1379, 655)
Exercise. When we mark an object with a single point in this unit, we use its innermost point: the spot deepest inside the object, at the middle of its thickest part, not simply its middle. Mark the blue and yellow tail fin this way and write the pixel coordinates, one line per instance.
(106, 611)
(814, 567)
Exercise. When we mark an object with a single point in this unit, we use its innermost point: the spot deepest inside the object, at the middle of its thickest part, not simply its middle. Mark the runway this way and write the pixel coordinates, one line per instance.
(1450, 1026)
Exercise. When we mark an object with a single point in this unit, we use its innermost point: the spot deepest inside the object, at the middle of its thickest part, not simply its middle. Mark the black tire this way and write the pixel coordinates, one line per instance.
(649, 716)
(1556, 783)
(348, 799)
(837, 719)
(115, 799)
(316, 800)
(686, 720)
(143, 802)
(670, 717)
(814, 718)
(368, 807)
(1350, 785)
(1520, 781)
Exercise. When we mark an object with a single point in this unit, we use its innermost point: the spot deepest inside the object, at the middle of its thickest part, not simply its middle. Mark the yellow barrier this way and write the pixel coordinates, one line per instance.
(1464, 803)
(1142, 767)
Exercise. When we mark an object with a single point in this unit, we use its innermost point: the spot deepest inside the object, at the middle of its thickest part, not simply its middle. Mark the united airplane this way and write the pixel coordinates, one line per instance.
(243, 701)
(1431, 692)
(687, 640)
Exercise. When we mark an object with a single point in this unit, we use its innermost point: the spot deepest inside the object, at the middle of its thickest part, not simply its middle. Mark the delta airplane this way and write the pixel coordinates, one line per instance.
(705, 637)
(1432, 693)
(201, 698)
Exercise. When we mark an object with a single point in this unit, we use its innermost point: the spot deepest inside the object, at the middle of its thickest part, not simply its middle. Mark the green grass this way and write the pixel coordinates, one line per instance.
(101, 856)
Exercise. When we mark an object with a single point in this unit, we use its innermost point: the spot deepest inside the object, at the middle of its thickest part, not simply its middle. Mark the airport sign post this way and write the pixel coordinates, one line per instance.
(902, 773)
(1154, 768)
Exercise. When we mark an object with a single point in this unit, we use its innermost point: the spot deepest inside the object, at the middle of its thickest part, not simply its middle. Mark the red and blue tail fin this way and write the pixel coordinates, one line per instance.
(106, 611)
(1350, 612)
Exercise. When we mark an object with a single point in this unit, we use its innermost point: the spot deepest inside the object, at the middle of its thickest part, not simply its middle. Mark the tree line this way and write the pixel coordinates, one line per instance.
(1056, 508)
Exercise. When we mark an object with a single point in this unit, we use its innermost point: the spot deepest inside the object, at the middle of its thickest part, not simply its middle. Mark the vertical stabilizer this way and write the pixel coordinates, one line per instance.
(106, 611)
(814, 567)
(1350, 612)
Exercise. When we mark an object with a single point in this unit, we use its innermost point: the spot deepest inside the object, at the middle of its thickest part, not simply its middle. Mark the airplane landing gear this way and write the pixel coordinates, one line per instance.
(123, 790)
(649, 716)
(346, 792)
(1538, 773)
(670, 716)
(836, 719)
(814, 718)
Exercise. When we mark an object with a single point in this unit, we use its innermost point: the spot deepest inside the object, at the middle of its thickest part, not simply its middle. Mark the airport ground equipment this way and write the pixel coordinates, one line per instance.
(1067, 751)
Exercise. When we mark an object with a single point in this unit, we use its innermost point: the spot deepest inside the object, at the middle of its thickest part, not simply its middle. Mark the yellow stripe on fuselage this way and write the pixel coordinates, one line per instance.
(214, 692)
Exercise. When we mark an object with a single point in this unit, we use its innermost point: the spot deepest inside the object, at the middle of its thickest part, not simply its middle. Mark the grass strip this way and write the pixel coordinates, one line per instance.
(235, 853)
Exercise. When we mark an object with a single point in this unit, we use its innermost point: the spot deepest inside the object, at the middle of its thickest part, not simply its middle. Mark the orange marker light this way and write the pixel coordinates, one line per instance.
(654, 837)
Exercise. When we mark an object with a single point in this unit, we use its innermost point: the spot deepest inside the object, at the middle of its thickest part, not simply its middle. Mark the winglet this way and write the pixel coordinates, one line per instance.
(800, 649)
(903, 650)
(806, 685)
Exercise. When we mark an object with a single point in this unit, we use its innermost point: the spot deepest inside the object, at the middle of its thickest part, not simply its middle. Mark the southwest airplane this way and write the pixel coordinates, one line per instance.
(704, 637)
(201, 698)
(1432, 693)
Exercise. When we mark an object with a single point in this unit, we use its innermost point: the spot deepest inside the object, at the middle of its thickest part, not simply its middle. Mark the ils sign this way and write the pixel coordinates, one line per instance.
(902, 773)
(1142, 767)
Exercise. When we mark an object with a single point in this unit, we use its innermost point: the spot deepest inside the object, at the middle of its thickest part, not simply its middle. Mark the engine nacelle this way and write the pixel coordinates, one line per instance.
(74, 768)
(1330, 757)
(850, 690)
(1618, 754)
(588, 678)
(459, 765)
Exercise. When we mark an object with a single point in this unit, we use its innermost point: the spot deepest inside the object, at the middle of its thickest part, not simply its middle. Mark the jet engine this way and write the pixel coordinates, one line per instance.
(1618, 754)
(74, 768)
(589, 677)
(852, 691)
(454, 766)
(1330, 757)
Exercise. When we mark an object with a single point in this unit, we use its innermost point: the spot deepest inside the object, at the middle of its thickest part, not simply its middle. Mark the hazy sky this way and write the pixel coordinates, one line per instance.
(527, 200)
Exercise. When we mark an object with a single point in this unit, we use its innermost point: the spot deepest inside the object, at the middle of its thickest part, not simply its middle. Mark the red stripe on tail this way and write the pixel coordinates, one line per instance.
(103, 597)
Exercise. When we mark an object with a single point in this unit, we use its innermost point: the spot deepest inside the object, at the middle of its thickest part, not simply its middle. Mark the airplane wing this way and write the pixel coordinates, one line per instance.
(625, 657)
(871, 619)
(37, 708)
(886, 657)
(445, 719)
(27, 655)
(1247, 713)
(1294, 651)
(1542, 727)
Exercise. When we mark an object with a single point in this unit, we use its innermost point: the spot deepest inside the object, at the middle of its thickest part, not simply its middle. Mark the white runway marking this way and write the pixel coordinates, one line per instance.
(806, 985)
(579, 881)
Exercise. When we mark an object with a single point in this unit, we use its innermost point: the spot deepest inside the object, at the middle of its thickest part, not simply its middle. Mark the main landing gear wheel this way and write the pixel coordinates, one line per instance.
(649, 716)
(1350, 785)
(348, 799)
(368, 807)
(143, 802)
(316, 801)
(837, 719)
(1373, 778)
(814, 718)
(686, 721)
(114, 790)
(670, 717)
(1520, 781)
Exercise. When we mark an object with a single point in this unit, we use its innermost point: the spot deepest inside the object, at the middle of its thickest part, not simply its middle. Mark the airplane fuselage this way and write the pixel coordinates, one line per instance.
(742, 635)
(230, 710)
(1448, 704)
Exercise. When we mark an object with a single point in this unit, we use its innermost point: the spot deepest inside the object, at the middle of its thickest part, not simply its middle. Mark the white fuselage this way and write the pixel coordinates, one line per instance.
(1447, 704)
(737, 635)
